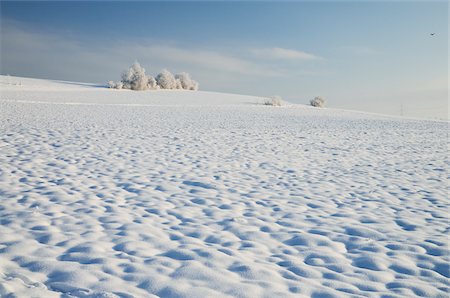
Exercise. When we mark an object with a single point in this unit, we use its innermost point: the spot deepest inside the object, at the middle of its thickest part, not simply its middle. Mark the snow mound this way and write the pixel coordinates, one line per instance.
(108, 193)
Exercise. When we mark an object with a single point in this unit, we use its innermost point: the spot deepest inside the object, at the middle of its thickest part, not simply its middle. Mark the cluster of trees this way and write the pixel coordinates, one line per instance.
(135, 78)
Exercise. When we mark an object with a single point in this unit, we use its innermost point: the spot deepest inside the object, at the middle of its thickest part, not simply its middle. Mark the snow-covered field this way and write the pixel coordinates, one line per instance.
(117, 193)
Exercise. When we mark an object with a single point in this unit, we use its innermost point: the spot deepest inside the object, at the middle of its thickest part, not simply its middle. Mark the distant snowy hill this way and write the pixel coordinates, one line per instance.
(118, 193)
(26, 89)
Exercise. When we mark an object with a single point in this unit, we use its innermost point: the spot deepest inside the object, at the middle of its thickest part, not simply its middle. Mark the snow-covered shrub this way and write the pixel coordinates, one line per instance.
(195, 86)
(178, 83)
(273, 101)
(151, 83)
(134, 78)
(115, 85)
(317, 102)
(118, 85)
(186, 81)
(166, 80)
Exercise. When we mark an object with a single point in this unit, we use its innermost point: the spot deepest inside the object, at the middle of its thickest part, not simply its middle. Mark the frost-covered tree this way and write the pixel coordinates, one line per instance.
(186, 81)
(166, 80)
(135, 78)
(318, 101)
(151, 83)
(273, 101)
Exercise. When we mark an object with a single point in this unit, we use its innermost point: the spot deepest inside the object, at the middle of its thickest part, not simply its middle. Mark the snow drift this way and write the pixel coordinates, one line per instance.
(114, 193)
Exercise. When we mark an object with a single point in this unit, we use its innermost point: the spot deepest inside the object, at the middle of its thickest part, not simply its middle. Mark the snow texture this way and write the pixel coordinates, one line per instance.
(171, 193)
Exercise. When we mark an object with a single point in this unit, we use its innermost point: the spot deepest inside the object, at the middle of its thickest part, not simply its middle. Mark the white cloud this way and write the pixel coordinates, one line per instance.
(208, 59)
(35, 53)
(283, 54)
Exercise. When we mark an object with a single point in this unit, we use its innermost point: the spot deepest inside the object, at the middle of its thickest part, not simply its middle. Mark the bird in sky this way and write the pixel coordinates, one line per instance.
(432, 34)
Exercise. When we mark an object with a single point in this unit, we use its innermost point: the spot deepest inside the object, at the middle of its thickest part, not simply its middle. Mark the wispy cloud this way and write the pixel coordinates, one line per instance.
(208, 59)
(33, 51)
(283, 54)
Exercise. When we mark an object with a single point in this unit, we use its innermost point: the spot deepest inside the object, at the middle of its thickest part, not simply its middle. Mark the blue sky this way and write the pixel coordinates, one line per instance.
(371, 56)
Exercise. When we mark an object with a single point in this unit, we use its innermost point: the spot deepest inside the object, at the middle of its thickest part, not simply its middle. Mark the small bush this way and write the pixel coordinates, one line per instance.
(135, 78)
(151, 83)
(186, 81)
(115, 85)
(273, 101)
(166, 80)
(317, 102)
(178, 84)
(119, 85)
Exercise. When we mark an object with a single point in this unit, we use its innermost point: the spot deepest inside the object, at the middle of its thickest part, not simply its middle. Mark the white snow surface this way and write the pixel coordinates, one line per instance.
(118, 193)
